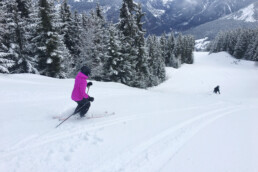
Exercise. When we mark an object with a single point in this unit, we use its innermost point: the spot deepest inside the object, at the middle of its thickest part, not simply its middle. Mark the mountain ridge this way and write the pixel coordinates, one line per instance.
(166, 15)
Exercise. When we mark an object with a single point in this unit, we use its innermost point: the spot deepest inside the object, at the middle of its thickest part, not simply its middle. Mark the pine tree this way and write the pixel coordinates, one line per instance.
(171, 44)
(153, 79)
(160, 62)
(14, 37)
(242, 44)
(232, 41)
(156, 62)
(255, 50)
(87, 35)
(164, 48)
(133, 45)
(142, 68)
(10, 42)
(217, 44)
(5, 57)
(112, 67)
(99, 12)
(48, 42)
(25, 62)
(178, 51)
(188, 49)
(98, 49)
(71, 31)
(128, 27)
(252, 51)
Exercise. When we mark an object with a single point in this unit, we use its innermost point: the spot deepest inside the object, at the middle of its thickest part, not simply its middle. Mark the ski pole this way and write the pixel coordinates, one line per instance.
(65, 120)
(88, 90)
(73, 112)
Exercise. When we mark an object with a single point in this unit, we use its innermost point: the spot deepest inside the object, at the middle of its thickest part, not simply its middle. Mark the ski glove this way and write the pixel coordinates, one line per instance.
(89, 84)
(91, 99)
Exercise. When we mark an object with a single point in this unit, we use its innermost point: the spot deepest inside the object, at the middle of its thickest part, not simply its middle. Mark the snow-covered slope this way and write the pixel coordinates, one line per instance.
(178, 126)
(202, 44)
(248, 14)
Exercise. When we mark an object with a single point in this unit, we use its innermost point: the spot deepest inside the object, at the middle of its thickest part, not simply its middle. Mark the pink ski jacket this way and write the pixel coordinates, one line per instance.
(80, 87)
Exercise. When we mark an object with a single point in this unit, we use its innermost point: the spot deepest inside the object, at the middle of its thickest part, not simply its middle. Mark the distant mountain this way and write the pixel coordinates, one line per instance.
(244, 18)
(248, 14)
(166, 15)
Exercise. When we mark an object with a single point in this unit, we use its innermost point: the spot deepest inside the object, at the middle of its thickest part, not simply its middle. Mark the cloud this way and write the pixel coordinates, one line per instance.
(194, 2)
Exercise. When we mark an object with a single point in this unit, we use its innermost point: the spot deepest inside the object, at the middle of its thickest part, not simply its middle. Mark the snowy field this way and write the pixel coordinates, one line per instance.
(179, 126)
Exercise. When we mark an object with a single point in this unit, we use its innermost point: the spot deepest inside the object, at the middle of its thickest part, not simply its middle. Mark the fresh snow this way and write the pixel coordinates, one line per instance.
(178, 126)
(154, 11)
(166, 1)
(246, 14)
(202, 44)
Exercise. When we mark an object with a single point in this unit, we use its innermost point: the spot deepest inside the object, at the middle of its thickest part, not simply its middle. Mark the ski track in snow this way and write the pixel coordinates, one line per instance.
(137, 158)
(52, 135)
(145, 138)
(163, 146)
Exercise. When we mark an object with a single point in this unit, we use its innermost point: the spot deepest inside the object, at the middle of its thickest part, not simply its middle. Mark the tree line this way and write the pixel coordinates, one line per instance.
(47, 38)
(241, 43)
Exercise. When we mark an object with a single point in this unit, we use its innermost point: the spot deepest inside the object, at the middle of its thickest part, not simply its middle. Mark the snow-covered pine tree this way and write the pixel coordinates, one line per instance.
(156, 62)
(255, 50)
(132, 41)
(233, 35)
(242, 44)
(49, 46)
(239, 43)
(25, 63)
(112, 67)
(87, 35)
(127, 26)
(172, 61)
(217, 45)
(98, 49)
(164, 48)
(5, 57)
(250, 51)
(99, 13)
(178, 51)
(10, 21)
(153, 79)
(188, 49)
(160, 62)
(66, 63)
(142, 68)
(71, 32)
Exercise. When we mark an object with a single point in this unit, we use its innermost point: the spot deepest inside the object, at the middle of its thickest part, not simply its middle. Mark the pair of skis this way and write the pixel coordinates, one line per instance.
(105, 114)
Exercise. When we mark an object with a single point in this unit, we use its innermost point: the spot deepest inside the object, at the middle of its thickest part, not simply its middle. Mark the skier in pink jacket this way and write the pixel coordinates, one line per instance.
(83, 100)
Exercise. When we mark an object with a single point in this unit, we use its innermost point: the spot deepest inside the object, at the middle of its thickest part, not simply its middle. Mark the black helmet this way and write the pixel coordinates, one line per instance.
(85, 70)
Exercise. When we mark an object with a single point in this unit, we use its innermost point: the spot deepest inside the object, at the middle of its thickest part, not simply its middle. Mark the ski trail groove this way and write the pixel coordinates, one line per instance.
(52, 135)
(163, 146)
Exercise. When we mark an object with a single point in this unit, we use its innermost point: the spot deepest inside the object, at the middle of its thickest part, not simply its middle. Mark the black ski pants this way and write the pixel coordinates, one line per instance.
(83, 107)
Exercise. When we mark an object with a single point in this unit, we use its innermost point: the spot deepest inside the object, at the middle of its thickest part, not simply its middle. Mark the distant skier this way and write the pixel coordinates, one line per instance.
(83, 100)
(216, 90)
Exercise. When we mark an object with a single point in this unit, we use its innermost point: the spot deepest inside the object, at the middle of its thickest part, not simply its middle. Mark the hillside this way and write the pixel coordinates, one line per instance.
(244, 18)
(166, 15)
(179, 126)
(211, 29)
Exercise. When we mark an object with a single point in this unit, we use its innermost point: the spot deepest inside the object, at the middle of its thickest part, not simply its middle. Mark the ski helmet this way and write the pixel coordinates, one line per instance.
(86, 70)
